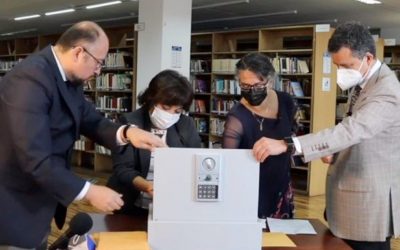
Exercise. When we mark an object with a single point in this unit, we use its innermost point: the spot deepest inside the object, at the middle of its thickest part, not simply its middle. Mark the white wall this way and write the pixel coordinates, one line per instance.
(167, 23)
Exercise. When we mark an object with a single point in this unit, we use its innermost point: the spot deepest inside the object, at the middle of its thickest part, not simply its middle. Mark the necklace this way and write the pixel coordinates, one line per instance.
(260, 121)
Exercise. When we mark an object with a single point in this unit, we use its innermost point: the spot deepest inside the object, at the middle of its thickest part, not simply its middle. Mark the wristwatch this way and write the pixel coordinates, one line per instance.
(125, 131)
(290, 145)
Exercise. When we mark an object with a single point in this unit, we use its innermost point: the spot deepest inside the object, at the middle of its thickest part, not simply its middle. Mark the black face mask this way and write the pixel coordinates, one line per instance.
(254, 97)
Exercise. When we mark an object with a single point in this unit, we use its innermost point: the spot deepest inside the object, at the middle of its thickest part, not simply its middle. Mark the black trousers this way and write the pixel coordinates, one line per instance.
(43, 246)
(369, 245)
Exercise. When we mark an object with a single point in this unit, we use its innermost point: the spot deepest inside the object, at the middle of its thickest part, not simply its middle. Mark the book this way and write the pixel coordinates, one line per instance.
(200, 106)
(297, 89)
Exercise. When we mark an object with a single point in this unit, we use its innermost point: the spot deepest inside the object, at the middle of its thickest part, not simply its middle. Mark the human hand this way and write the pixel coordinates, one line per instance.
(104, 198)
(143, 185)
(143, 139)
(327, 159)
(149, 188)
(265, 147)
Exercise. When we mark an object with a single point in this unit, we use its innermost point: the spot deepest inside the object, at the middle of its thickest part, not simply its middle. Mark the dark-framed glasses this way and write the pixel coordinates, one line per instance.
(257, 86)
(100, 63)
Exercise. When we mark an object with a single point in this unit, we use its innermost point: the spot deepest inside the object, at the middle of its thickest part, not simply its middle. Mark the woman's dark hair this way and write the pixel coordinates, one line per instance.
(354, 36)
(257, 63)
(169, 88)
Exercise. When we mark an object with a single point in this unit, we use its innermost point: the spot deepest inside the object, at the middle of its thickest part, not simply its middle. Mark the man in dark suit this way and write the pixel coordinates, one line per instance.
(42, 112)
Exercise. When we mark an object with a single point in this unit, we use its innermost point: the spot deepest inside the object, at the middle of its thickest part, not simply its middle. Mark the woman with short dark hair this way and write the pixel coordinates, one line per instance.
(163, 102)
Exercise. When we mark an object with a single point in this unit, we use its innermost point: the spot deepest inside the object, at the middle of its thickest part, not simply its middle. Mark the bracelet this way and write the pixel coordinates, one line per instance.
(125, 131)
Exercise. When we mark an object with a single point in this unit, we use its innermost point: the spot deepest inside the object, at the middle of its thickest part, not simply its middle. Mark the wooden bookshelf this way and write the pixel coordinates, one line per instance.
(294, 43)
(200, 78)
(117, 88)
(392, 58)
(113, 92)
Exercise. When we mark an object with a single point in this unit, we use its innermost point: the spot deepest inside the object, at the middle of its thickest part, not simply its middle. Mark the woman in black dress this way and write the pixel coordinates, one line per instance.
(263, 112)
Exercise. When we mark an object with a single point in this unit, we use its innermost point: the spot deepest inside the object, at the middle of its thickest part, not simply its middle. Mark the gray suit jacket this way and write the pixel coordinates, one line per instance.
(363, 184)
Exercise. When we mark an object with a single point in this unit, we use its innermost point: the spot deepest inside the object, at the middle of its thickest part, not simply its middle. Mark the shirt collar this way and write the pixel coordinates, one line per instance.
(59, 65)
(374, 68)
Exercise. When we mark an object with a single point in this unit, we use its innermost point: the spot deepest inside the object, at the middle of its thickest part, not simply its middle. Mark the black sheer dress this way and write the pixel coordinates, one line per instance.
(242, 129)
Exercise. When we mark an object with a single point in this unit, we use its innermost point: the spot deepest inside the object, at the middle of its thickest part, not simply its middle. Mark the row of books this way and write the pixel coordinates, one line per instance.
(199, 106)
(219, 86)
(114, 117)
(299, 88)
(112, 103)
(215, 144)
(120, 59)
(199, 85)
(217, 126)
(111, 81)
(224, 65)
(303, 112)
(291, 65)
(8, 65)
(226, 86)
(84, 144)
(221, 106)
(199, 66)
(201, 124)
(102, 150)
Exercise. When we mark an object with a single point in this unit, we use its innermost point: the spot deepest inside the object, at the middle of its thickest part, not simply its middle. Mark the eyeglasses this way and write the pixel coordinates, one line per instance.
(100, 63)
(257, 86)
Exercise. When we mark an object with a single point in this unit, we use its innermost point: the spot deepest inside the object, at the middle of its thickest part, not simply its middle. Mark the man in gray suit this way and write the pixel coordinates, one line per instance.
(363, 190)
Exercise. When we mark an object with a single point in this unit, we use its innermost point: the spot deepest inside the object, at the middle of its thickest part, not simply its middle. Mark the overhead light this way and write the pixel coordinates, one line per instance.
(114, 19)
(59, 12)
(104, 20)
(102, 4)
(246, 17)
(26, 17)
(370, 1)
(18, 32)
(213, 5)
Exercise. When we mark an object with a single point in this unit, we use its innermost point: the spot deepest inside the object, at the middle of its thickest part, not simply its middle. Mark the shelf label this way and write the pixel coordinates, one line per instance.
(327, 63)
(139, 26)
(176, 56)
(390, 42)
(322, 27)
(326, 84)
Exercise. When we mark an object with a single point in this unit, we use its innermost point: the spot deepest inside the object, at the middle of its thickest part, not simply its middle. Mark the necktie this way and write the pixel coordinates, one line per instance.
(354, 97)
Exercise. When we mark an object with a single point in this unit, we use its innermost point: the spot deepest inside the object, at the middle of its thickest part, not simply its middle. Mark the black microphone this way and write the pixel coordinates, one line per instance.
(80, 224)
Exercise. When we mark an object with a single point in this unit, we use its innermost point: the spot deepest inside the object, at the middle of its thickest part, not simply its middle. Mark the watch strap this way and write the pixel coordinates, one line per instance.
(290, 145)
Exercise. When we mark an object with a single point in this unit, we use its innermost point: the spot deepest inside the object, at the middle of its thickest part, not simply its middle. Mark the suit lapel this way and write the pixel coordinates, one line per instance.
(69, 96)
(370, 85)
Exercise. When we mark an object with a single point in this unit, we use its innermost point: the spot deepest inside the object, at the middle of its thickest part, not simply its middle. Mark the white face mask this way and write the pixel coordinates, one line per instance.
(163, 119)
(347, 78)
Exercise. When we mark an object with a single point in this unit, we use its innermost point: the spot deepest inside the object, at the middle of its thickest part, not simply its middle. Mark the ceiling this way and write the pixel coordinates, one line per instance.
(240, 13)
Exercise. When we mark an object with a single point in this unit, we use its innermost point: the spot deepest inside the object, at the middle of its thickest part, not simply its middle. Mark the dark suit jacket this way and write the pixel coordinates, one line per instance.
(133, 162)
(41, 117)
